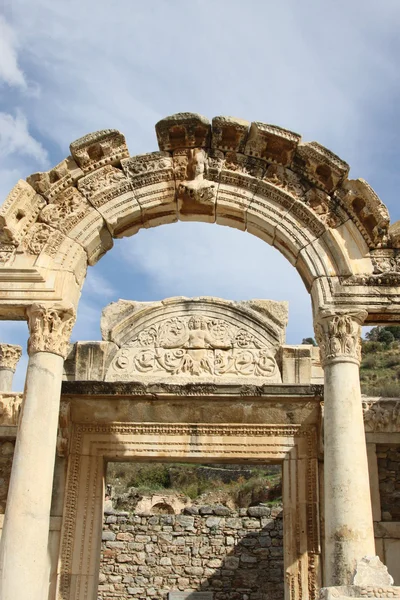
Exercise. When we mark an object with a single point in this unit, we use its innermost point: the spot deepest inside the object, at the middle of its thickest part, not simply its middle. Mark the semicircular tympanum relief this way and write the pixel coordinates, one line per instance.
(198, 339)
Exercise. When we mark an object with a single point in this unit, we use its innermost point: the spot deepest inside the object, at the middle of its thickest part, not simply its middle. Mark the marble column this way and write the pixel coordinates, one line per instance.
(9, 357)
(349, 534)
(23, 550)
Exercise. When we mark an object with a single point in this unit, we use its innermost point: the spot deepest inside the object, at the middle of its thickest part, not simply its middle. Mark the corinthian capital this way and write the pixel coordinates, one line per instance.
(50, 328)
(9, 356)
(339, 336)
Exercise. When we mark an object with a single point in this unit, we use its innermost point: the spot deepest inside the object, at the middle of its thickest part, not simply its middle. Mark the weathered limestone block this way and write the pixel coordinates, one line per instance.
(74, 216)
(90, 360)
(47, 247)
(196, 195)
(229, 134)
(60, 177)
(18, 212)
(111, 193)
(320, 166)
(183, 130)
(296, 364)
(271, 143)
(238, 182)
(99, 148)
(152, 178)
(371, 215)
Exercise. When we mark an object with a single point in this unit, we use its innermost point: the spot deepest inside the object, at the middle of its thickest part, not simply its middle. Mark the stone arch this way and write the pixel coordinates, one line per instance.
(256, 177)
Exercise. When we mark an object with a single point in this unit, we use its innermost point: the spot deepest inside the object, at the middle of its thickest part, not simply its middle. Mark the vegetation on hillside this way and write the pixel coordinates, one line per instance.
(235, 485)
(380, 366)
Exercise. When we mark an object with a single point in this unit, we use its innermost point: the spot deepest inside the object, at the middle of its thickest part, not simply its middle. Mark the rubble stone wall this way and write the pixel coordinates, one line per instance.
(389, 481)
(237, 556)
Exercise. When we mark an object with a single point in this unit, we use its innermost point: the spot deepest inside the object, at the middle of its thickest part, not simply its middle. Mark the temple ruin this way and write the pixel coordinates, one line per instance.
(198, 379)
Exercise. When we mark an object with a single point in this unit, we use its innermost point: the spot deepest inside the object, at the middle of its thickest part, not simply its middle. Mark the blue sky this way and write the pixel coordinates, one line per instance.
(326, 69)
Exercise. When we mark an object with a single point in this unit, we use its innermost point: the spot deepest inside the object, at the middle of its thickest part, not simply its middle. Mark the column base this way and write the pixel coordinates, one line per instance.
(362, 592)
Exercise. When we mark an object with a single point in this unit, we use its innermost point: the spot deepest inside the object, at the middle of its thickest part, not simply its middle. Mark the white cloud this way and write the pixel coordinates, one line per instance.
(10, 72)
(15, 138)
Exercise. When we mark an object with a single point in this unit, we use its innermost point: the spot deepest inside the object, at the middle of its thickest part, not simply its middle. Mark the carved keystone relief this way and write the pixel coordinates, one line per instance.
(197, 342)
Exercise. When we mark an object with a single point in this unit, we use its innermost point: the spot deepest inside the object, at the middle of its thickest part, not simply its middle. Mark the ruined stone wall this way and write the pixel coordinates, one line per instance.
(389, 481)
(237, 556)
(6, 458)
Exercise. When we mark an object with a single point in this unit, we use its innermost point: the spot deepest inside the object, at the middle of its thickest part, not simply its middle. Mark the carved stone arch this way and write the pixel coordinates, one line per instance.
(256, 177)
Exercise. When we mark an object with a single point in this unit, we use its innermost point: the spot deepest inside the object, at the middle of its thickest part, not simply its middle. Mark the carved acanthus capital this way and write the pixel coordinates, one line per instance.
(339, 336)
(9, 356)
(50, 328)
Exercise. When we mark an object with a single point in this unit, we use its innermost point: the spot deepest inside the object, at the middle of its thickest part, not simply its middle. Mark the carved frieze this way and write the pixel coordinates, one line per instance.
(9, 356)
(50, 328)
(194, 346)
(10, 405)
(339, 336)
(381, 415)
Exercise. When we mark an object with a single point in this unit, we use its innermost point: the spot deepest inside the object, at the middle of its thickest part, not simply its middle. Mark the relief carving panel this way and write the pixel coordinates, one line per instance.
(195, 346)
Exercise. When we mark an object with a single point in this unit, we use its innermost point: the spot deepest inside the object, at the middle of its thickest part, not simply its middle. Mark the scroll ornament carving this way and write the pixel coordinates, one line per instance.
(195, 346)
(50, 328)
(10, 405)
(339, 336)
(9, 356)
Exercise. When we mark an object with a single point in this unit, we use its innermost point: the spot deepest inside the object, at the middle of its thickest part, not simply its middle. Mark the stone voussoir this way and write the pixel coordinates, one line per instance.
(320, 166)
(104, 147)
(183, 130)
(271, 143)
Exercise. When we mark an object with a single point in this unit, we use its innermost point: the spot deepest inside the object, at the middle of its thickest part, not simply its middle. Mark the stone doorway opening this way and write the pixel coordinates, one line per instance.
(192, 527)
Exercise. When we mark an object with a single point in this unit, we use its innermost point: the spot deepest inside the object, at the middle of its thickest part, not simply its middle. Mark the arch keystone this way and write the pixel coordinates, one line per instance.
(183, 130)
(105, 147)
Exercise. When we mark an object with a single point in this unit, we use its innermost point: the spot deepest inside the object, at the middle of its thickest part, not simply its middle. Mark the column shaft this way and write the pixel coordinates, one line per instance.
(24, 564)
(6, 379)
(349, 531)
(23, 555)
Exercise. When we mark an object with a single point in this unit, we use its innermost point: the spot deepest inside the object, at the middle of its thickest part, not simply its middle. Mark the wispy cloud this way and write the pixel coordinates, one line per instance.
(16, 139)
(10, 72)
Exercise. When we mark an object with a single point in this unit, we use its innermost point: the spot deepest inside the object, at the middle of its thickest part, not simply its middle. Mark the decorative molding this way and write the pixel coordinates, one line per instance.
(91, 444)
(9, 356)
(339, 336)
(50, 328)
